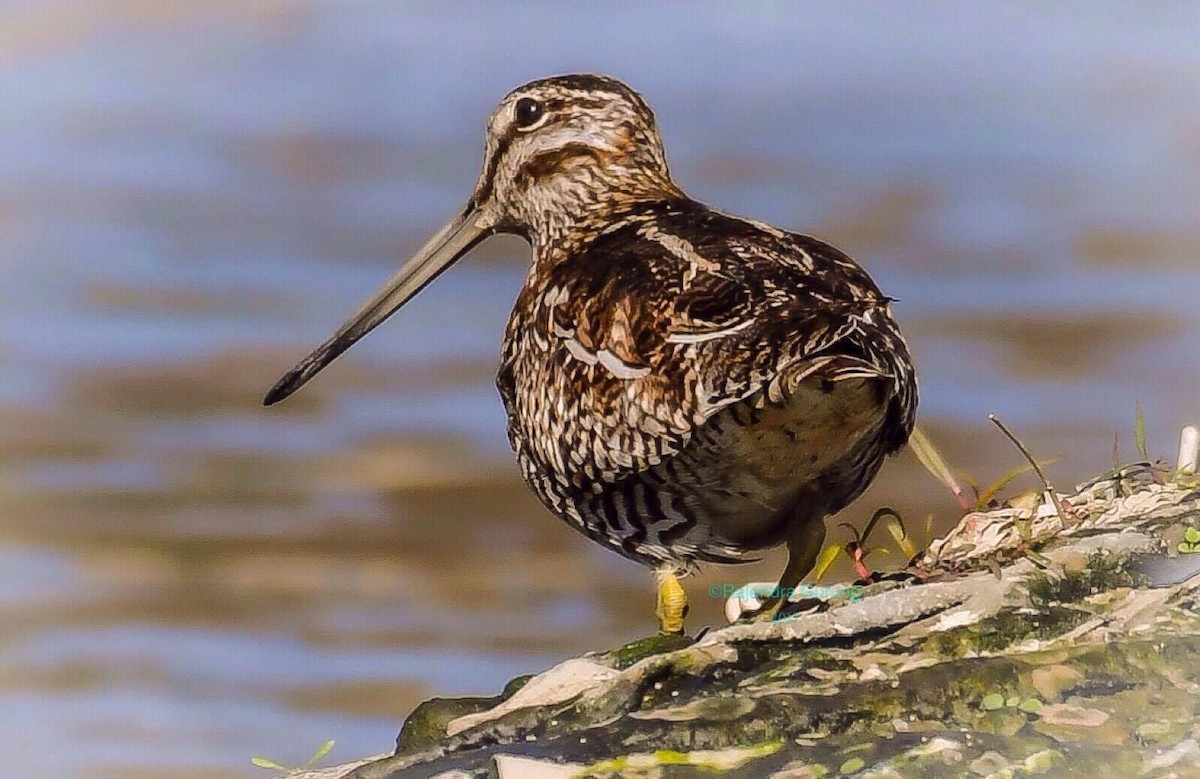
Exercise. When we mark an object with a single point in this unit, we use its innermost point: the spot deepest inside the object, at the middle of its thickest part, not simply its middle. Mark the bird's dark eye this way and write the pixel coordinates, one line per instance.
(527, 112)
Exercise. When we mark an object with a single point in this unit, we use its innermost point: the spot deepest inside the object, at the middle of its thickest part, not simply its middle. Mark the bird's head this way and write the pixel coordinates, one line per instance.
(567, 149)
(561, 154)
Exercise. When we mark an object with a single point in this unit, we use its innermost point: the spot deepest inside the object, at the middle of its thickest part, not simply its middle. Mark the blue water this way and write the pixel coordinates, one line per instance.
(192, 194)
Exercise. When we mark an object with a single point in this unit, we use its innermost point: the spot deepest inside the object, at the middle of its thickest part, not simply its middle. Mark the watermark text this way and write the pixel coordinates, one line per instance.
(848, 592)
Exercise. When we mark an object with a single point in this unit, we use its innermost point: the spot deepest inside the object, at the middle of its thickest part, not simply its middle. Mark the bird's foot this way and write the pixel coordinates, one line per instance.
(767, 611)
(671, 605)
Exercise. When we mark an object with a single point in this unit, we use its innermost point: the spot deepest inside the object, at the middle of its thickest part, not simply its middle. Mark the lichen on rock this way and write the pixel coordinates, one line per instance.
(1024, 647)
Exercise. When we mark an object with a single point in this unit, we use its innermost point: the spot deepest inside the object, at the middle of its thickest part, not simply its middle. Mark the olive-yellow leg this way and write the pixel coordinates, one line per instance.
(671, 606)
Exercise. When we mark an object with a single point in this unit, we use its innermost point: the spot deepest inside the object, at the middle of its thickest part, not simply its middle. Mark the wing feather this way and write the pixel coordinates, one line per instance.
(660, 324)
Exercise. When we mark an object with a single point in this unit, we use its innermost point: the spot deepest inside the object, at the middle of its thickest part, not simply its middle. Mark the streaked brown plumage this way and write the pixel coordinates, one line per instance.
(681, 385)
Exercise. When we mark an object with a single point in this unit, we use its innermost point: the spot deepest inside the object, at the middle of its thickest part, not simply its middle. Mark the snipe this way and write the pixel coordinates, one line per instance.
(681, 385)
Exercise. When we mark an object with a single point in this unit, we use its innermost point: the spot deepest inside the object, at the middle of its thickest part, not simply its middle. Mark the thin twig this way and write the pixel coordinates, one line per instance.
(1062, 515)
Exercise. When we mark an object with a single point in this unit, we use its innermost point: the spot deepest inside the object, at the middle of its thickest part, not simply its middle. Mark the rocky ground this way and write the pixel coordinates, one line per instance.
(1034, 640)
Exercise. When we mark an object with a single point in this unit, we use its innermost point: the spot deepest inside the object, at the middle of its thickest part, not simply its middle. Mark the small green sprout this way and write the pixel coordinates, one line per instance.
(1139, 432)
(1030, 705)
(824, 560)
(992, 702)
(271, 765)
(996, 701)
(856, 548)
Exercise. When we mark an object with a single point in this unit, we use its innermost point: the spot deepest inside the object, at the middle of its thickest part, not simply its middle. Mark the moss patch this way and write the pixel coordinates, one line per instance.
(1101, 573)
(624, 656)
(426, 725)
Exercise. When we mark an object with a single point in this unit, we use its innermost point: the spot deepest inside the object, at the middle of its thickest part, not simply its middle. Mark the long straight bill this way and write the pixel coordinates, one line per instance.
(439, 252)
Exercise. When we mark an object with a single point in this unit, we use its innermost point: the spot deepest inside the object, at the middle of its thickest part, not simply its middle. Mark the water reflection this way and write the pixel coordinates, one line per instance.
(192, 194)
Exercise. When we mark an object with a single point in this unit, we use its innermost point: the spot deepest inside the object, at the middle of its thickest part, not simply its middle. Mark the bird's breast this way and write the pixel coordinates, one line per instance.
(580, 407)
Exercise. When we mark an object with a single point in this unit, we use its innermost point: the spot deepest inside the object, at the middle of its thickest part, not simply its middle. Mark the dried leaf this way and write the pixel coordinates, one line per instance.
(933, 461)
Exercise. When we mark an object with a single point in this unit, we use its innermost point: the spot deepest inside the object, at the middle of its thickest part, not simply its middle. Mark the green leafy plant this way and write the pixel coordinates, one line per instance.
(1161, 471)
(986, 496)
(856, 548)
(1186, 479)
(272, 765)
(1191, 541)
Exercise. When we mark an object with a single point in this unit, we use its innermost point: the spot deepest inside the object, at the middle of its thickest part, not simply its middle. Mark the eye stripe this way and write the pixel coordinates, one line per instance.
(506, 141)
(493, 163)
(553, 106)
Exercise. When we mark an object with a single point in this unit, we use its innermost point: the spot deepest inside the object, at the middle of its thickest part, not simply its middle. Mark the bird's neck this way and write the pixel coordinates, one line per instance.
(567, 223)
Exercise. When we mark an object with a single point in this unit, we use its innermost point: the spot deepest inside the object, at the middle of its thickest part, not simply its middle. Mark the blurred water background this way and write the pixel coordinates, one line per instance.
(193, 193)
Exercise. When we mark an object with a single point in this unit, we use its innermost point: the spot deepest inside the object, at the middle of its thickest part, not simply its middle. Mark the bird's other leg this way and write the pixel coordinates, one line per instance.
(803, 549)
(671, 605)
